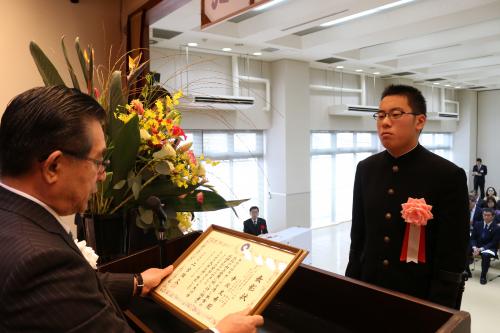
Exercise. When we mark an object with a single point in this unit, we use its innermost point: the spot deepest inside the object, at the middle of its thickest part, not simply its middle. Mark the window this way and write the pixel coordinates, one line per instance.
(439, 143)
(239, 175)
(334, 156)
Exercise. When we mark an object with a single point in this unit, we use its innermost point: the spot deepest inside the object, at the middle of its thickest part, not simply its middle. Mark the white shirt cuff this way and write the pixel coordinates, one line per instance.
(213, 329)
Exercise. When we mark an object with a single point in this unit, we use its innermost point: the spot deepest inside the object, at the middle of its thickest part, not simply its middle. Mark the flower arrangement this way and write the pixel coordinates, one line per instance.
(147, 146)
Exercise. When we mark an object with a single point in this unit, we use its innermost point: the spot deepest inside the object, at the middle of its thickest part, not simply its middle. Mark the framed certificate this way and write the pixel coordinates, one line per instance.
(226, 271)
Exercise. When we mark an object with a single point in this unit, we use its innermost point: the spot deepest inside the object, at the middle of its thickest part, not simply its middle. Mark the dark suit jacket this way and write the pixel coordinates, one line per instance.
(381, 185)
(259, 229)
(487, 239)
(483, 170)
(46, 285)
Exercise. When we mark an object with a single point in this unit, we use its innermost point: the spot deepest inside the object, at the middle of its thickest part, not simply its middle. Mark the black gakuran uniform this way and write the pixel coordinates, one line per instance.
(381, 185)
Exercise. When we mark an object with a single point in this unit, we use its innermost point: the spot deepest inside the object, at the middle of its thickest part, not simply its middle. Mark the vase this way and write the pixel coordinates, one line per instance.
(106, 234)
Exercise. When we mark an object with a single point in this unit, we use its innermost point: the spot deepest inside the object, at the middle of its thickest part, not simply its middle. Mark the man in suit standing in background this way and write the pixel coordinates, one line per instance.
(255, 225)
(52, 147)
(479, 171)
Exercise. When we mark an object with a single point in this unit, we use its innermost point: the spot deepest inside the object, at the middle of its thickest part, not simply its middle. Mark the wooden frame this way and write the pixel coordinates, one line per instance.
(273, 273)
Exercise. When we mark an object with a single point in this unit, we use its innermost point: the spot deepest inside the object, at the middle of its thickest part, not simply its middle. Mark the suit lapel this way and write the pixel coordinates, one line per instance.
(19, 205)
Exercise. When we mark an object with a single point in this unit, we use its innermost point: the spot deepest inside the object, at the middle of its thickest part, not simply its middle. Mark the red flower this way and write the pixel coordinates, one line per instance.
(177, 131)
(138, 106)
(200, 198)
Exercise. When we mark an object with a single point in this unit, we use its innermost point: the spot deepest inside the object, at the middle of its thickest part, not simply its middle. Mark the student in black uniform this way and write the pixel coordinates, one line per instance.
(384, 182)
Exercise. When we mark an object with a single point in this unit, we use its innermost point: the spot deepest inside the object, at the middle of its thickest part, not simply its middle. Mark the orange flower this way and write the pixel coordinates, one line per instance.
(416, 211)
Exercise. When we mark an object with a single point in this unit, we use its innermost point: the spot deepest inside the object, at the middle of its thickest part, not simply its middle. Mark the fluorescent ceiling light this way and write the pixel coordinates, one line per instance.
(359, 70)
(458, 87)
(257, 53)
(339, 67)
(447, 85)
(436, 83)
(267, 5)
(365, 13)
(193, 44)
(376, 73)
(226, 49)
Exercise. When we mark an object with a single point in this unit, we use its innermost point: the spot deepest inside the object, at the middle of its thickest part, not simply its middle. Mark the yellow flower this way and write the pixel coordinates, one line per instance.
(133, 63)
(144, 134)
(125, 118)
(159, 106)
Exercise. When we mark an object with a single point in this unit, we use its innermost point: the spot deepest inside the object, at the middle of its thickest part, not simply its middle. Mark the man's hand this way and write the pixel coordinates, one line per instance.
(153, 276)
(240, 322)
(476, 251)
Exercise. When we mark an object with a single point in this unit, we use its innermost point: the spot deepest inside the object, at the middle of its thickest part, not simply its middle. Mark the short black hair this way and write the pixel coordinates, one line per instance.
(479, 160)
(42, 120)
(416, 100)
(253, 207)
(489, 210)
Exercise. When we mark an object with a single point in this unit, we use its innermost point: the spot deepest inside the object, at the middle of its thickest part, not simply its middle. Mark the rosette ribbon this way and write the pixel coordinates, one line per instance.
(416, 213)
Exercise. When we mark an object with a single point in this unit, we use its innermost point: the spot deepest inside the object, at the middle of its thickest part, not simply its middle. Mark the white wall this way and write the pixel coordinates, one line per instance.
(210, 74)
(488, 121)
(96, 22)
(465, 137)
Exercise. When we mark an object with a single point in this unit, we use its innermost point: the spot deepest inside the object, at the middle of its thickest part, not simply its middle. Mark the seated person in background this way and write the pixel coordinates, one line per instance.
(255, 225)
(492, 204)
(476, 213)
(491, 192)
(484, 242)
(479, 201)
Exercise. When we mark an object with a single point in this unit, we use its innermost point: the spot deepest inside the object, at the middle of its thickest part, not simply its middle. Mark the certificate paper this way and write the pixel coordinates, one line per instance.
(223, 272)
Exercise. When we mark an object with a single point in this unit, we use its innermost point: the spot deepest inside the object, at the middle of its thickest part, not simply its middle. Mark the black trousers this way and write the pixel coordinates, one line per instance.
(479, 182)
(485, 263)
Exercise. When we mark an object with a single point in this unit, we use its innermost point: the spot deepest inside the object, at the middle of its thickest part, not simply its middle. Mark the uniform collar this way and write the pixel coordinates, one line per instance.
(406, 156)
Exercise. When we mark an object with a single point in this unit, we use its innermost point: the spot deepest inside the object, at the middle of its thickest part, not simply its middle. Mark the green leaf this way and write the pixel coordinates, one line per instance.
(120, 184)
(81, 58)
(46, 68)
(162, 168)
(115, 99)
(126, 145)
(76, 85)
(212, 201)
(146, 215)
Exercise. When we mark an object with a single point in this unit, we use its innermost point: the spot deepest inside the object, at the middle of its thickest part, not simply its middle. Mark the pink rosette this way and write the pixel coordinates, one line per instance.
(416, 213)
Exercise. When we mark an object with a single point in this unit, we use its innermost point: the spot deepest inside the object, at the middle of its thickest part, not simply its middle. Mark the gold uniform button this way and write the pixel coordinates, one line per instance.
(388, 216)
(390, 191)
(387, 239)
(385, 262)
(395, 168)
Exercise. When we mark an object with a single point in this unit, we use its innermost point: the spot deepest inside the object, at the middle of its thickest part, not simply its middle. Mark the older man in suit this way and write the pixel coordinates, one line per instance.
(387, 180)
(51, 157)
(255, 225)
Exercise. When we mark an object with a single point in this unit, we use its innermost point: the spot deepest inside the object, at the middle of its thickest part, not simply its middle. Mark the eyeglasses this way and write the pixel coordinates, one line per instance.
(101, 164)
(394, 114)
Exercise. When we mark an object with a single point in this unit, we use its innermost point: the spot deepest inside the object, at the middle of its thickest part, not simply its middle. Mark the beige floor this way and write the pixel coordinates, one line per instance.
(330, 249)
